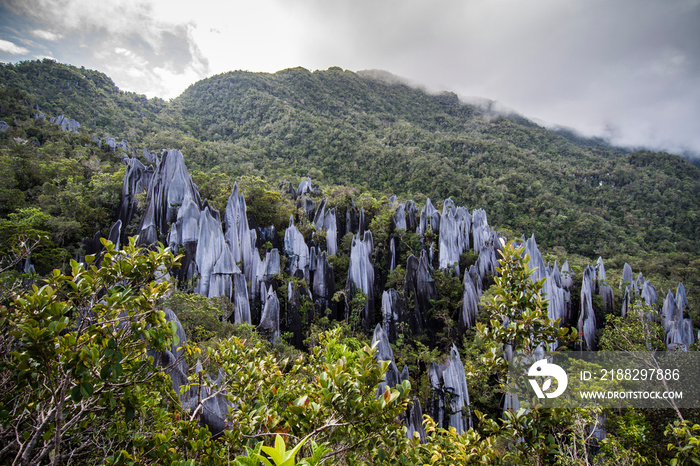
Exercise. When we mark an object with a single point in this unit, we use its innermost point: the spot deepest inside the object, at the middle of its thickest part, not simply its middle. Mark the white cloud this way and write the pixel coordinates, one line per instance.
(11, 47)
(47, 35)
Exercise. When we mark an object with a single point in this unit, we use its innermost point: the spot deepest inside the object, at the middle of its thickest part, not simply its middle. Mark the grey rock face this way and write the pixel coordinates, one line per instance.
(587, 321)
(536, 262)
(414, 421)
(352, 219)
(385, 353)
(3, 125)
(166, 192)
(241, 304)
(296, 249)
(392, 313)
(604, 290)
(66, 124)
(294, 315)
(326, 221)
(306, 187)
(136, 180)
(270, 320)
(149, 156)
(405, 216)
(239, 235)
(429, 217)
(309, 207)
(214, 258)
(553, 288)
(679, 330)
(567, 279)
(628, 276)
(470, 303)
(361, 274)
(115, 233)
(111, 143)
(419, 283)
(480, 230)
(324, 282)
(214, 411)
(450, 394)
(264, 269)
(454, 235)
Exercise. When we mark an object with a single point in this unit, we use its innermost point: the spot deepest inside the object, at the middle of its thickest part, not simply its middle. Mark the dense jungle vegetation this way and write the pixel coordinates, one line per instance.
(361, 139)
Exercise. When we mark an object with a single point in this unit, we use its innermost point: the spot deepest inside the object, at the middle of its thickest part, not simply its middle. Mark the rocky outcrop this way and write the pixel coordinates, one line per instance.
(470, 303)
(270, 320)
(429, 218)
(414, 421)
(420, 286)
(213, 257)
(296, 250)
(604, 289)
(586, 320)
(323, 283)
(326, 221)
(240, 237)
(679, 329)
(137, 179)
(405, 216)
(449, 404)
(385, 353)
(66, 124)
(392, 313)
(170, 184)
(455, 226)
(361, 274)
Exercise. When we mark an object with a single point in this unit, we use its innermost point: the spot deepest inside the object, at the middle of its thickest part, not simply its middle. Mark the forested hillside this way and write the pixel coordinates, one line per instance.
(349, 129)
(282, 283)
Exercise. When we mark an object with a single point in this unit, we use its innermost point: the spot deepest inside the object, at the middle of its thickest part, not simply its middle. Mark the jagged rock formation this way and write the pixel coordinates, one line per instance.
(392, 313)
(136, 180)
(455, 228)
(270, 320)
(213, 257)
(215, 407)
(586, 320)
(405, 216)
(66, 124)
(414, 415)
(323, 283)
(604, 290)
(361, 274)
(294, 317)
(326, 221)
(241, 304)
(296, 249)
(429, 217)
(385, 353)
(169, 186)
(241, 239)
(679, 329)
(450, 394)
(3, 125)
(414, 421)
(420, 285)
(470, 303)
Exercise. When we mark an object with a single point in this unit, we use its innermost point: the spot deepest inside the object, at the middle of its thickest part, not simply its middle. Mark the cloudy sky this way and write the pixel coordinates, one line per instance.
(628, 70)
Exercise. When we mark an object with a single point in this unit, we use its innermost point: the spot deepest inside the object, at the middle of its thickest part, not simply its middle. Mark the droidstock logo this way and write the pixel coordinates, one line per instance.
(542, 368)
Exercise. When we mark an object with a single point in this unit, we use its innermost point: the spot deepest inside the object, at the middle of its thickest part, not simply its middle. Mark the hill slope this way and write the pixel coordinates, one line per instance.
(345, 128)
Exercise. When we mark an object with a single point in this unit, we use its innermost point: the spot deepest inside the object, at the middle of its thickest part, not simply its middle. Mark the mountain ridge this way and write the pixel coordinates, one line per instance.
(343, 129)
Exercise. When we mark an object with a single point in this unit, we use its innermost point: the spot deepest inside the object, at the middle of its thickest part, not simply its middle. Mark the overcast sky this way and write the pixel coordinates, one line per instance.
(628, 70)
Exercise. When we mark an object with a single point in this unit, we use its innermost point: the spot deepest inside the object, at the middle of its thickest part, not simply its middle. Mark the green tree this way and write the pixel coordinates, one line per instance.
(75, 350)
